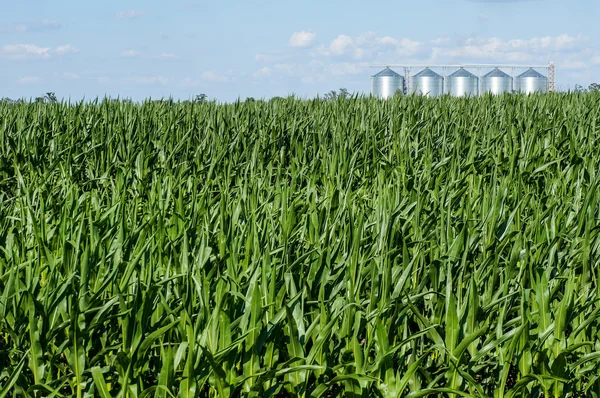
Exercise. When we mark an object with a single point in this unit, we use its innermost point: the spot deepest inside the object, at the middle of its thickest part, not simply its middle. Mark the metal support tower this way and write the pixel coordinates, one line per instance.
(551, 77)
(514, 75)
(445, 76)
(407, 78)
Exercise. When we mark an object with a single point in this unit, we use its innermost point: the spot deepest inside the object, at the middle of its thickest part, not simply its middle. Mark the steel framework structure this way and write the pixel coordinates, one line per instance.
(549, 69)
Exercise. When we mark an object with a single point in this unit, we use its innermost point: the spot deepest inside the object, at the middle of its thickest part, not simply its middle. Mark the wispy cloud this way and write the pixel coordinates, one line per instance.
(30, 26)
(214, 76)
(189, 82)
(573, 64)
(146, 80)
(130, 53)
(33, 52)
(29, 80)
(278, 70)
(262, 73)
(65, 49)
(71, 75)
(271, 56)
(302, 39)
(168, 56)
(131, 14)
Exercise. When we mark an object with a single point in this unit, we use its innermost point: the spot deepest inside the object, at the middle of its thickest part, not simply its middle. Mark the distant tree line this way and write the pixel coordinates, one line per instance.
(592, 88)
(50, 97)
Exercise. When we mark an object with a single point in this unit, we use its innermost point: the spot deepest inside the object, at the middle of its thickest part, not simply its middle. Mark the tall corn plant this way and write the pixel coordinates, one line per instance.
(411, 247)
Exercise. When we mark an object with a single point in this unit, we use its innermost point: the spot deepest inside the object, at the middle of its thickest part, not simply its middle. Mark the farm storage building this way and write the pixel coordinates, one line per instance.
(386, 83)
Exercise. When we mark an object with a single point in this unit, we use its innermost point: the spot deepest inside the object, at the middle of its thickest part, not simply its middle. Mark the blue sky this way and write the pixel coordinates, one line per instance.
(263, 48)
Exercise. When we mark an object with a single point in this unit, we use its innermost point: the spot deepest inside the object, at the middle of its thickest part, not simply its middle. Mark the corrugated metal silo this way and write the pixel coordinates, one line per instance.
(496, 82)
(386, 83)
(531, 81)
(428, 83)
(463, 83)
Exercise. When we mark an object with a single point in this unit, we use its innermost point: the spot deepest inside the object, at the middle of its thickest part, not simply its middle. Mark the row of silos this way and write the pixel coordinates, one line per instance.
(460, 83)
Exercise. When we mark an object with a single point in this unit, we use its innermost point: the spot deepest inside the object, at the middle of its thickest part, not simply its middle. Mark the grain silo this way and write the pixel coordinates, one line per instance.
(496, 82)
(427, 83)
(462, 83)
(386, 83)
(531, 81)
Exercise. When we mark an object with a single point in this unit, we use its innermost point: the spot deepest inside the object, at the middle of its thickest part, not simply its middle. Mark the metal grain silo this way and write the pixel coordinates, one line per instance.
(428, 83)
(462, 82)
(531, 81)
(496, 82)
(386, 83)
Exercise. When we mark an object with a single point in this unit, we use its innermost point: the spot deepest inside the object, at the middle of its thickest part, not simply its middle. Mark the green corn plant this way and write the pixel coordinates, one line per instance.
(307, 248)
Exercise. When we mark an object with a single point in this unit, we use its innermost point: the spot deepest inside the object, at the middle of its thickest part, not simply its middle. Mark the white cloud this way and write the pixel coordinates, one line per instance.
(65, 49)
(377, 48)
(30, 26)
(347, 68)
(288, 69)
(576, 61)
(189, 82)
(550, 43)
(146, 80)
(32, 52)
(346, 59)
(302, 39)
(369, 46)
(271, 56)
(441, 41)
(341, 44)
(214, 76)
(130, 53)
(29, 80)
(537, 49)
(130, 14)
(168, 56)
(315, 64)
(102, 79)
(71, 75)
(24, 51)
(279, 70)
(262, 72)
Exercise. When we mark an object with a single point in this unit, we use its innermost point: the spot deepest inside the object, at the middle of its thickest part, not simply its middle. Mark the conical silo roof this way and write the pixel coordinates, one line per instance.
(387, 72)
(427, 73)
(496, 73)
(531, 73)
(462, 72)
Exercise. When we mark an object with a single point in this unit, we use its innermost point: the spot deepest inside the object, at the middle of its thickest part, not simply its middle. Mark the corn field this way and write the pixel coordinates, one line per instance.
(301, 248)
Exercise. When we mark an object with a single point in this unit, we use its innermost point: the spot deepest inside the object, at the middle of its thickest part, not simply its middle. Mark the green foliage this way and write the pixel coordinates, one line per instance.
(201, 98)
(333, 95)
(409, 247)
(594, 87)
